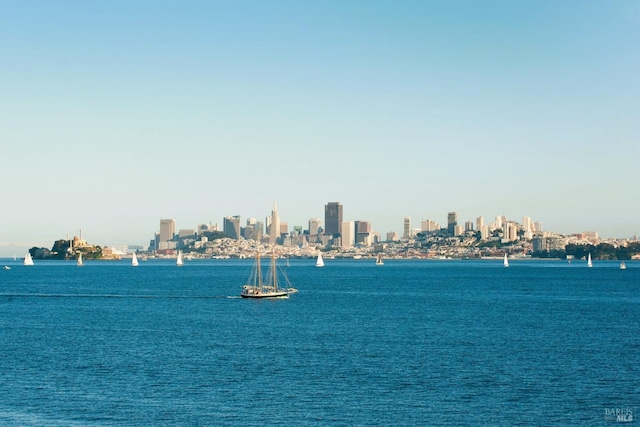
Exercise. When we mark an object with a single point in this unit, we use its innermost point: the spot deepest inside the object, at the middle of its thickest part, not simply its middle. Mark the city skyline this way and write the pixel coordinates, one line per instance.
(167, 228)
(114, 117)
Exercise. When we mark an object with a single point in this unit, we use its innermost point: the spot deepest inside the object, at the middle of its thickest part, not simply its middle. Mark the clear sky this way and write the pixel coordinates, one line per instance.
(116, 114)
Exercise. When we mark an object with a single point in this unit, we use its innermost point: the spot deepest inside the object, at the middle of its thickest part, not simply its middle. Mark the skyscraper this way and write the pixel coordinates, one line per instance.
(231, 226)
(274, 225)
(407, 228)
(348, 234)
(452, 221)
(333, 218)
(167, 229)
(314, 226)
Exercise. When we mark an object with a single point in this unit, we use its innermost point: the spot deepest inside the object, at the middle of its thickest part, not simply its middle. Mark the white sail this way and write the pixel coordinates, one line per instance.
(589, 263)
(379, 260)
(79, 260)
(319, 261)
(623, 266)
(179, 261)
(28, 260)
(134, 260)
(506, 261)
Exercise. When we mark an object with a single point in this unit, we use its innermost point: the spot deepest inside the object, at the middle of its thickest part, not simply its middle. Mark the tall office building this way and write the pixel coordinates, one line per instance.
(479, 223)
(314, 227)
(363, 232)
(167, 229)
(274, 225)
(527, 226)
(452, 221)
(407, 228)
(333, 218)
(231, 226)
(348, 234)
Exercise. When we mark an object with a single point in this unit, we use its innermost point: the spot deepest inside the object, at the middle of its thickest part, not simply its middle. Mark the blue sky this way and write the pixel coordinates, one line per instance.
(116, 114)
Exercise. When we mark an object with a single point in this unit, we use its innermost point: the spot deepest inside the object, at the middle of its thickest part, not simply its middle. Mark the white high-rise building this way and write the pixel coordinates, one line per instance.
(479, 223)
(429, 225)
(314, 226)
(348, 234)
(527, 225)
(167, 229)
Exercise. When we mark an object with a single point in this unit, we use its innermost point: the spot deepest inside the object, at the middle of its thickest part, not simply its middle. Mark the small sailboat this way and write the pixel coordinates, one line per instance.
(27, 259)
(506, 261)
(79, 262)
(179, 261)
(379, 260)
(269, 287)
(6, 267)
(589, 263)
(134, 260)
(623, 266)
(319, 261)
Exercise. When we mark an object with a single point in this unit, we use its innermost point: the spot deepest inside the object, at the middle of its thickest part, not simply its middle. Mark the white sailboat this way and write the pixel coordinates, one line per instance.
(134, 260)
(79, 262)
(379, 260)
(506, 261)
(589, 263)
(623, 266)
(269, 287)
(27, 259)
(179, 261)
(319, 261)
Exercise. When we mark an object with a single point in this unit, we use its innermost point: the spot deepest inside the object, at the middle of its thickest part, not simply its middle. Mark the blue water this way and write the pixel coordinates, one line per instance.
(407, 343)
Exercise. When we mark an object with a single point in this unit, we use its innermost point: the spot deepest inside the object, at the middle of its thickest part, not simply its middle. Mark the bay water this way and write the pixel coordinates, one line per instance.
(447, 342)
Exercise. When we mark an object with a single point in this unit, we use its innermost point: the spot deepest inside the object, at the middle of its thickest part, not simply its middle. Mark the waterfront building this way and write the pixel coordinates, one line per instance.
(167, 230)
(231, 226)
(348, 234)
(406, 234)
(452, 221)
(333, 218)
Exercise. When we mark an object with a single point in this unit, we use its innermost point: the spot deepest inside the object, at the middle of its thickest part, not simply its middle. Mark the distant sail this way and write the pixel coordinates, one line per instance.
(28, 260)
(506, 261)
(79, 260)
(134, 260)
(179, 261)
(319, 261)
(589, 263)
